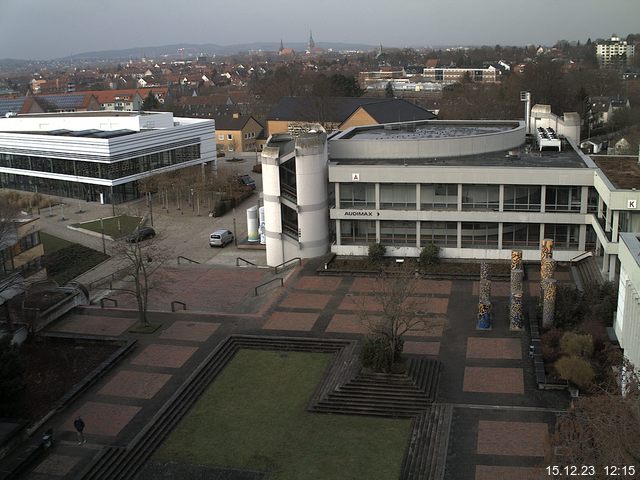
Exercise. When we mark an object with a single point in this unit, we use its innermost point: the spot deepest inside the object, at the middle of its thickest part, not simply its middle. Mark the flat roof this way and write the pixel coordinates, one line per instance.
(92, 113)
(622, 171)
(568, 158)
(441, 129)
(90, 133)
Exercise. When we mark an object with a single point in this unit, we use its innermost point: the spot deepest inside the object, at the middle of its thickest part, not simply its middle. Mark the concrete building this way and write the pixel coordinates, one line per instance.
(614, 52)
(627, 319)
(457, 75)
(99, 156)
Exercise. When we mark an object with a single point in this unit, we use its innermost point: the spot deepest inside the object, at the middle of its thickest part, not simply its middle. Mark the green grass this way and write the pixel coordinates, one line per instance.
(68, 262)
(52, 244)
(253, 416)
(114, 227)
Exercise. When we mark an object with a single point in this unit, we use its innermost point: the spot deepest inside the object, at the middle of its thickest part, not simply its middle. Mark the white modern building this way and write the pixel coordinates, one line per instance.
(627, 321)
(99, 156)
(614, 52)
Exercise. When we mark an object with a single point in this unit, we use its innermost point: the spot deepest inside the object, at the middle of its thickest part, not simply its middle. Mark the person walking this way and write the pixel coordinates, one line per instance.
(79, 426)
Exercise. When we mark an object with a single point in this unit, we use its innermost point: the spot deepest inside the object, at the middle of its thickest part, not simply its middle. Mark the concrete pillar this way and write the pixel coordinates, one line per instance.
(607, 223)
(418, 197)
(377, 190)
(605, 263)
(459, 239)
(500, 231)
(612, 267)
(582, 238)
(584, 198)
(338, 232)
(615, 223)
(337, 194)
(501, 198)
(418, 234)
(543, 198)
(459, 197)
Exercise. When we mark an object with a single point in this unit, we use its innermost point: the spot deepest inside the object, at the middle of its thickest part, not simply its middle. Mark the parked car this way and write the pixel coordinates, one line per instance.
(247, 181)
(220, 238)
(140, 234)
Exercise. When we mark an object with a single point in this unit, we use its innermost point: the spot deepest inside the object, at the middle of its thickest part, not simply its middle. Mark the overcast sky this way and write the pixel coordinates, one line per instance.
(45, 29)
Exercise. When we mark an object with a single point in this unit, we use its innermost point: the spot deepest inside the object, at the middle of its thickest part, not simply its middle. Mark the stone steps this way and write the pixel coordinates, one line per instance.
(589, 272)
(426, 454)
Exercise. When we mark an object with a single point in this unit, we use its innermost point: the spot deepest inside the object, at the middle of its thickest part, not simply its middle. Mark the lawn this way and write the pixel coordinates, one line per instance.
(115, 227)
(52, 244)
(65, 260)
(253, 417)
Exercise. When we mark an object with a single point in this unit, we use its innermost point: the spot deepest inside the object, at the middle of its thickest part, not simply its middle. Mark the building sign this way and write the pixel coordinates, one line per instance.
(632, 204)
(355, 177)
(361, 213)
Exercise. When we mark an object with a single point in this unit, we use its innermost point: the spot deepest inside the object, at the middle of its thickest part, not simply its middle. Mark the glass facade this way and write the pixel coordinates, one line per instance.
(480, 197)
(398, 196)
(439, 196)
(562, 199)
(357, 195)
(357, 232)
(288, 179)
(523, 198)
(443, 234)
(520, 235)
(107, 171)
(398, 233)
(479, 235)
(565, 237)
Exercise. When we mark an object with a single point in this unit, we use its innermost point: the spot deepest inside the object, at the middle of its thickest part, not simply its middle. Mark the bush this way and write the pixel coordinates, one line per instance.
(576, 345)
(570, 307)
(576, 370)
(550, 344)
(376, 354)
(377, 252)
(429, 255)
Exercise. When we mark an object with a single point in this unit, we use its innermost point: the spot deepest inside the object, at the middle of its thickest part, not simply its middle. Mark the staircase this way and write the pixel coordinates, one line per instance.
(426, 455)
(587, 273)
(385, 395)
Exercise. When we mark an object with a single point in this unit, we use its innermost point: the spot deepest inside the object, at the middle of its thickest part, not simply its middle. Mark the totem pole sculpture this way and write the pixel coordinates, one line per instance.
(548, 286)
(483, 321)
(515, 301)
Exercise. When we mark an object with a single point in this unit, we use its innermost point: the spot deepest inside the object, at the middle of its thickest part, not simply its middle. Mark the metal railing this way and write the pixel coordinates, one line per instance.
(238, 259)
(187, 259)
(267, 283)
(117, 275)
(283, 265)
(115, 302)
(582, 256)
(176, 302)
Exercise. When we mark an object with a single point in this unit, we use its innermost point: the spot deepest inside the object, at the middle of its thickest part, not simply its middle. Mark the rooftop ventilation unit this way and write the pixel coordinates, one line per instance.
(547, 138)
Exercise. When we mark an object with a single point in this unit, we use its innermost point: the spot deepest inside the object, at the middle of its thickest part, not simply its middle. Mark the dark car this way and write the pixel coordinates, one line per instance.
(247, 181)
(140, 234)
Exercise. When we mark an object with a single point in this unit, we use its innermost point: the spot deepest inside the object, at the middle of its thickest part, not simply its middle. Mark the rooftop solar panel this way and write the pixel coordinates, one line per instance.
(10, 105)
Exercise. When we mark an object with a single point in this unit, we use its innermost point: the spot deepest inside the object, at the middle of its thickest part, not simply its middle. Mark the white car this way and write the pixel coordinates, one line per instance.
(220, 238)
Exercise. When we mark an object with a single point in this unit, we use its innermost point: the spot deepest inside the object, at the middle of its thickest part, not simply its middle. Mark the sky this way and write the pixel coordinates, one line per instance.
(46, 29)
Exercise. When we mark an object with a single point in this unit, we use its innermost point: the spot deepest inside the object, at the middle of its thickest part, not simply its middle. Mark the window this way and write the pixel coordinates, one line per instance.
(443, 234)
(562, 199)
(592, 200)
(362, 195)
(479, 235)
(565, 237)
(522, 198)
(398, 233)
(357, 232)
(230, 136)
(221, 136)
(439, 196)
(520, 235)
(480, 197)
(398, 196)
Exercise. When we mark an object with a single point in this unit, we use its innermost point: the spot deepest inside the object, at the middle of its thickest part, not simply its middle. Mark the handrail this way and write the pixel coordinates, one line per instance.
(110, 277)
(284, 264)
(267, 283)
(577, 257)
(187, 259)
(115, 302)
(245, 261)
(176, 302)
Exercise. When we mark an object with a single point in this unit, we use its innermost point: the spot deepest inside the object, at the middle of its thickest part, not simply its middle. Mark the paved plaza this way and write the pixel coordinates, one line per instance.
(500, 421)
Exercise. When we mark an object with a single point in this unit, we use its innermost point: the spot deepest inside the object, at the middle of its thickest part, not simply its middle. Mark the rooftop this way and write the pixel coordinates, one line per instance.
(622, 171)
(426, 130)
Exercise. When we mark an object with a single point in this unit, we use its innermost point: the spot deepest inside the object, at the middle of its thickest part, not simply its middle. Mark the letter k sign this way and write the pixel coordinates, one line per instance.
(632, 203)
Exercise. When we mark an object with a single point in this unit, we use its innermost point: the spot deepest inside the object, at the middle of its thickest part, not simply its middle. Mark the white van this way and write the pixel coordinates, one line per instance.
(220, 238)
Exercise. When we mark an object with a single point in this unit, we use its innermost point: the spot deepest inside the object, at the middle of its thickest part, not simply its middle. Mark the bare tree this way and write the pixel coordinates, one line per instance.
(602, 429)
(400, 306)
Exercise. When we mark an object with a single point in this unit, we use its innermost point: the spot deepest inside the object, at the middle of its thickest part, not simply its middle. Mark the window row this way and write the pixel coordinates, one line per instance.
(109, 171)
(444, 196)
(445, 234)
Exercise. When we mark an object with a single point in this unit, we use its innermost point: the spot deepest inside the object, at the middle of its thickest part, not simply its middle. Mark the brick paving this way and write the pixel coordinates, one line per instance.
(368, 303)
(498, 289)
(190, 331)
(494, 348)
(428, 328)
(425, 287)
(493, 380)
(512, 438)
(127, 383)
(94, 325)
(346, 323)
(169, 356)
(102, 418)
(421, 348)
(490, 472)
(291, 321)
(325, 284)
(57, 465)
(305, 300)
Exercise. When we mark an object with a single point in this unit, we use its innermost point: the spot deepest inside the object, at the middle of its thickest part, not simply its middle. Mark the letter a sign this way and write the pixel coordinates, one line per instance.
(355, 177)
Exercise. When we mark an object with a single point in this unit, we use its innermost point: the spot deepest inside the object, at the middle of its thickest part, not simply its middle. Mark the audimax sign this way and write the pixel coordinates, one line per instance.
(361, 213)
